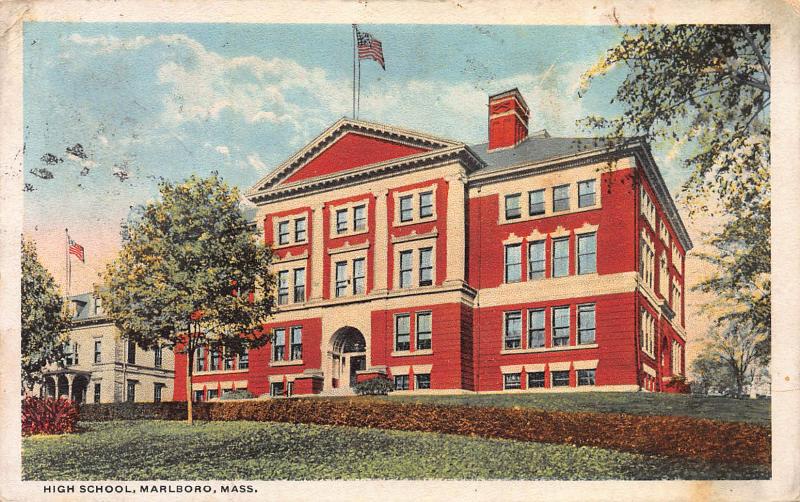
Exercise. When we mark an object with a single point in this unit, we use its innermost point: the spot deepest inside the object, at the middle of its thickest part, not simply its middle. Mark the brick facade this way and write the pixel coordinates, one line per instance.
(527, 263)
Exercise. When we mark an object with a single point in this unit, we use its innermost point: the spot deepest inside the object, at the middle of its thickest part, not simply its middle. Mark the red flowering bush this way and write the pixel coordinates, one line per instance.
(48, 415)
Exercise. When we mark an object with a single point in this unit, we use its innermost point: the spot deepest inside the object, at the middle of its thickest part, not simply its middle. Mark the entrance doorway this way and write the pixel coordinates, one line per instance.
(348, 355)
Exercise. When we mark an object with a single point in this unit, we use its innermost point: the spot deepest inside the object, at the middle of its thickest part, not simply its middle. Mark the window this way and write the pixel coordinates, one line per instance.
(425, 204)
(405, 269)
(157, 392)
(130, 396)
(425, 266)
(341, 278)
(560, 378)
(296, 349)
(131, 352)
(227, 362)
(586, 193)
(422, 381)
(283, 287)
(648, 208)
(158, 356)
(214, 359)
(535, 379)
(359, 218)
(647, 333)
(402, 332)
(513, 263)
(98, 306)
(244, 360)
(536, 260)
(423, 328)
(560, 326)
(586, 323)
(536, 328)
(300, 230)
(283, 233)
(279, 344)
(71, 353)
(536, 202)
(198, 395)
(511, 381)
(212, 394)
(97, 393)
(513, 330)
(401, 382)
(560, 257)
(647, 262)
(359, 277)
(200, 357)
(512, 207)
(586, 377)
(406, 212)
(587, 254)
(561, 198)
(299, 285)
(663, 276)
(289, 389)
(98, 353)
(341, 221)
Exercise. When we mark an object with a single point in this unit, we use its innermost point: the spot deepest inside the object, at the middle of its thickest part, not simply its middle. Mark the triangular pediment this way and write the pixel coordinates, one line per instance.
(347, 145)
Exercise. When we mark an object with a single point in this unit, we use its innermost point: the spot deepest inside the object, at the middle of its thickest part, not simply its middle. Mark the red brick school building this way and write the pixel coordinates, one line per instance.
(525, 264)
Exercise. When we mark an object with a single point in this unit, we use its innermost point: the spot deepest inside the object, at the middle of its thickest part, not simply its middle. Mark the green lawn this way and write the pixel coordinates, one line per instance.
(153, 449)
(638, 403)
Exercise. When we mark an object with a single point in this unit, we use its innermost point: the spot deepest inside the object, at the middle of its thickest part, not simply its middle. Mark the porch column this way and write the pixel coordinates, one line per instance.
(456, 227)
(379, 267)
(317, 251)
(70, 378)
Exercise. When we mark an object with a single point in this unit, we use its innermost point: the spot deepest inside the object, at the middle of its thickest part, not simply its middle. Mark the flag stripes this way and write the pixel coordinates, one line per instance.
(370, 47)
(76, 250)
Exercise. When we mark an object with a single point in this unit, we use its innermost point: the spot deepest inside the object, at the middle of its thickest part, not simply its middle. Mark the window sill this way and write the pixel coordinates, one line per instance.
(335, 235)
(549, 349)
(218, 372)
(408, 353)
(414, 221)
(275, 245)
(503, 221)
(294, 362)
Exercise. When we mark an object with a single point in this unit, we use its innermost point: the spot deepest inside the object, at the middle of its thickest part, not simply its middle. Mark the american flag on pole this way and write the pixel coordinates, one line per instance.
(369, 47)
(77, 250)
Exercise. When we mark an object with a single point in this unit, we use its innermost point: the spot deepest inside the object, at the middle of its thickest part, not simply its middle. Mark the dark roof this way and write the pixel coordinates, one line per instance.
(84, 305)
(534, 149)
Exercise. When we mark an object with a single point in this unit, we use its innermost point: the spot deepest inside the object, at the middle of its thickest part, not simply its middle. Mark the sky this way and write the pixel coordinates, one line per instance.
(149, 100)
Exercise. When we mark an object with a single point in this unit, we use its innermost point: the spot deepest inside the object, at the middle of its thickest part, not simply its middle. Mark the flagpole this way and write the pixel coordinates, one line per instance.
(355, 42)
(69, 265)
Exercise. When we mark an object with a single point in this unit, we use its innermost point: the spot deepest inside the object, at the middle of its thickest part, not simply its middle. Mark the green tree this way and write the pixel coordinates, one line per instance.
(729, 359)
(44, 318)
(191, 274)
(706, 90)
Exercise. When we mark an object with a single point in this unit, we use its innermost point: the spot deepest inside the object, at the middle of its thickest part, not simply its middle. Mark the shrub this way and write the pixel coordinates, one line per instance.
(48, 415)
(678, 385)
(237, 394)
(378, 386)
(175, 410)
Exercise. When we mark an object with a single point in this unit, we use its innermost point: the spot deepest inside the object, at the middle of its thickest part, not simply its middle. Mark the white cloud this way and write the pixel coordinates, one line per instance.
(255, 162)
(105, 43)
(223, 150)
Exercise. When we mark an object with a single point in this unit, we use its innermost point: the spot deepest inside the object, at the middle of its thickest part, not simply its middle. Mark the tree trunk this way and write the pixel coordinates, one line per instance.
(189, 366)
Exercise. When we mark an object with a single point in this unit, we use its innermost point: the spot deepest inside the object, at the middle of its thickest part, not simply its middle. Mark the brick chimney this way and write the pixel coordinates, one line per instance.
(508, 119)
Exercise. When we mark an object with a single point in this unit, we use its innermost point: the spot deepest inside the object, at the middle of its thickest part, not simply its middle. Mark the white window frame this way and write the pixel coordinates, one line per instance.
(415, 205)
(348, 257)
(350, 210)
(414, 246)
(290, 220)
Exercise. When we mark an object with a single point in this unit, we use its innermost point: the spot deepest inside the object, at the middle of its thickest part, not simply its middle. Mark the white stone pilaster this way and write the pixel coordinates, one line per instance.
(317, 251)
(456, 227)
(379, 268)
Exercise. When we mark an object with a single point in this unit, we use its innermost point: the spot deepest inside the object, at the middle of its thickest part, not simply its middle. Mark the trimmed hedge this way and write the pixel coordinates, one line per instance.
(48, 415)
(378, 386)
(682, 437)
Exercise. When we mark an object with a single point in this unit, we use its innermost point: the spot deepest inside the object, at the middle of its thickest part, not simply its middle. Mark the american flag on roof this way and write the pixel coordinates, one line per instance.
(369, 47)
(77, 250)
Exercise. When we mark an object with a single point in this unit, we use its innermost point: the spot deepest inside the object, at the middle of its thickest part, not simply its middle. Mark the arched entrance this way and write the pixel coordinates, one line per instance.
(79, 385)
(348, 354)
